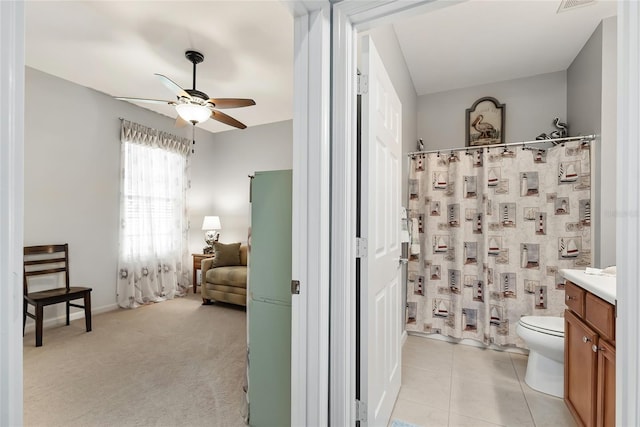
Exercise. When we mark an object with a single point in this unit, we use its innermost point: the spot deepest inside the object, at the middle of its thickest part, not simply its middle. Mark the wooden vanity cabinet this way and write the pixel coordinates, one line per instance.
(606, 408)
(580, 370)
(589, 358)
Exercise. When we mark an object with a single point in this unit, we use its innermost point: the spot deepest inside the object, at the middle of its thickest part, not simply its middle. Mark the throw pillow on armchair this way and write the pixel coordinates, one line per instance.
(225, 254)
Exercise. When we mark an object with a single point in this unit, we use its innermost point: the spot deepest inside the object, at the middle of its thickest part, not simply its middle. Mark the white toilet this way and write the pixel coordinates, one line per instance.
(544, 336)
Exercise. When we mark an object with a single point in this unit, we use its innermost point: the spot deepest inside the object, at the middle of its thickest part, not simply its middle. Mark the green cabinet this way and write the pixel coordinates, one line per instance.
(269, 300)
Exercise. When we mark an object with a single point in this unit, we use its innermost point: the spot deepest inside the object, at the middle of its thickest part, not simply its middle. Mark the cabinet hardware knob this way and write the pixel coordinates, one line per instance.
(595, 348)
(585, 339)
(569, 297)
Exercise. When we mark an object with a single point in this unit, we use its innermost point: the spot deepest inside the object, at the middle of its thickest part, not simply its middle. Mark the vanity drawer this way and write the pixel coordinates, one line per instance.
(574, 298)
(601, 316)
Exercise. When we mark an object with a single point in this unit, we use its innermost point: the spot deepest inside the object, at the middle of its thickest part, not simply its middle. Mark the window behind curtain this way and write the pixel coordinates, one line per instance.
(153, 258)
(153, 201)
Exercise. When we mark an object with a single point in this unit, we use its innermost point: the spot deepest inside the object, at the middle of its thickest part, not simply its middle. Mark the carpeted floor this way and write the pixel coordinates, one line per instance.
(175, 363)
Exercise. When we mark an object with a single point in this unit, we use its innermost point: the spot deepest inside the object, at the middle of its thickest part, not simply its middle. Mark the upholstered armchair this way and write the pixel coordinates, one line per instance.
(224, 277)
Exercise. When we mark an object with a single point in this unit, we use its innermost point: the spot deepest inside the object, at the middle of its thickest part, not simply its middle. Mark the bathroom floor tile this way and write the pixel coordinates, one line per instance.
(483, 365)
(520, 364)
(432, 359)
(547, 411)
(456, 420)
(480, 388)
(468, 352)
(421, 415)
(500, 403)
(428, 345)
(428, 387)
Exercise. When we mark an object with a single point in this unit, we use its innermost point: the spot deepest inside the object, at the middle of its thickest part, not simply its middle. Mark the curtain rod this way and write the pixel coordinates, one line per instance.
(555, 141)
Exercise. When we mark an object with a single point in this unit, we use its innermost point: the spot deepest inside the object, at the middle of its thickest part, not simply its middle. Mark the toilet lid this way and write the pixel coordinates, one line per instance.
(544, 324)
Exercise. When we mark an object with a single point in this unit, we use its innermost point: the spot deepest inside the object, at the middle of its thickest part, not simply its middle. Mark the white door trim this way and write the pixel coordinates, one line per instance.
(310, 263)
(349, 16)
(12, 28)
(343, 230)
(628, 216)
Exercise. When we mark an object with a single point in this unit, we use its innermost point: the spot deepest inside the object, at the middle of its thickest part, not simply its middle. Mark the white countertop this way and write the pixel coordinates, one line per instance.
(601, 286)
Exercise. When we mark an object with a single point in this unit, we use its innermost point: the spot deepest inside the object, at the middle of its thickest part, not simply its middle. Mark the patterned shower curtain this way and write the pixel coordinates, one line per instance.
(491, 228)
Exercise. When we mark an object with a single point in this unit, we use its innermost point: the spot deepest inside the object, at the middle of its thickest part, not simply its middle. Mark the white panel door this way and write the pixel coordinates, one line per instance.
(380, 313)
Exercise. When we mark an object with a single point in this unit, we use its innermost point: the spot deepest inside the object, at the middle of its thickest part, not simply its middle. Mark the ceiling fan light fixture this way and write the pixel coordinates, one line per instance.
(193, 113)
(194, 106)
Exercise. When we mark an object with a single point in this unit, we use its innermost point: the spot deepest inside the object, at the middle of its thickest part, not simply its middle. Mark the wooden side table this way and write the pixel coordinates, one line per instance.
(197, 261)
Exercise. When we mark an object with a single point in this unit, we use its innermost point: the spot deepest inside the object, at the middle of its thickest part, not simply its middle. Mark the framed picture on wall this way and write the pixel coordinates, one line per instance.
(485, 122)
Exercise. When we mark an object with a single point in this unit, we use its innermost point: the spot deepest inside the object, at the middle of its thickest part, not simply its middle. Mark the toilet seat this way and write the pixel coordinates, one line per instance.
(547, 325)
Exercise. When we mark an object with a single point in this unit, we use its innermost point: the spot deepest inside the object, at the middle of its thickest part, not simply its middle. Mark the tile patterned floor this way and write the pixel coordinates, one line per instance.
(455, 385)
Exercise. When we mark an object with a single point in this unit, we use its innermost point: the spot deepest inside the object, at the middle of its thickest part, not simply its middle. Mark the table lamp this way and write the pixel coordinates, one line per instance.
(211, 225)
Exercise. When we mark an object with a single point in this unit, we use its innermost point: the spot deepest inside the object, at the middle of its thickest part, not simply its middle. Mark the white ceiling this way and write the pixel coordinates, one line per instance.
(116, 47)
(485, 41)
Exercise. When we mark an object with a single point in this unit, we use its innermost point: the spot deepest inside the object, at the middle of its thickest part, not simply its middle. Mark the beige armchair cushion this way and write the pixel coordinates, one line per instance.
(228, 276)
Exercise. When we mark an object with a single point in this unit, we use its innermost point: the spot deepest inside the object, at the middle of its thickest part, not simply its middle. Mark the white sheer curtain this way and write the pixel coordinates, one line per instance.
(153, 257)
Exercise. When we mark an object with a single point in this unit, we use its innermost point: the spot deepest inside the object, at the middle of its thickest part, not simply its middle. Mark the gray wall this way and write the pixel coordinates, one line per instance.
(591, 101)
(608, 144)
(72, 182)
(219, 176)
(531, 104)
(584, 98)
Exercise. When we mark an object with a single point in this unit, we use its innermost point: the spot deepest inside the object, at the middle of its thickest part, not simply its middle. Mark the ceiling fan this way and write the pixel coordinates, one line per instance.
(194, 106)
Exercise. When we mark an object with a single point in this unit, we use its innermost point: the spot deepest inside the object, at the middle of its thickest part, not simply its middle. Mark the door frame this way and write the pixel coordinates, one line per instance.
(352, 16)
(11, 209)
(349, 17)
(310, 213)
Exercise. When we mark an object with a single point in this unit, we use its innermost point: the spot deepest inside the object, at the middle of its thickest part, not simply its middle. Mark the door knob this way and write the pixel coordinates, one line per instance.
(585, 340)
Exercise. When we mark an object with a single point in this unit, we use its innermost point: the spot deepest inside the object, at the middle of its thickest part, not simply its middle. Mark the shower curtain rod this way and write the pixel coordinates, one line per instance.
(555, 141)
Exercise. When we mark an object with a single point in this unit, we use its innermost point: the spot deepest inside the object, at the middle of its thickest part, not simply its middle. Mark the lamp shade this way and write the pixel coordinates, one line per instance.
(211, 223)
(193, 112)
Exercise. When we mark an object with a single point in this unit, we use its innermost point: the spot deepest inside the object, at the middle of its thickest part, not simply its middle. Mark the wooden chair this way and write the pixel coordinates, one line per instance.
(51, 260)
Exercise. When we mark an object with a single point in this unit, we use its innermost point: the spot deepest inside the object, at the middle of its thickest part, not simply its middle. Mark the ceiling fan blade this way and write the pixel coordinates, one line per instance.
(232, 102)
(173, 86)
(180, 122)
(222, 117)
(151, 101)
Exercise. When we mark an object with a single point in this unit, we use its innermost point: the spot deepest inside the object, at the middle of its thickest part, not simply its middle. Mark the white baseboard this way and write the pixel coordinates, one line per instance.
(62, 319)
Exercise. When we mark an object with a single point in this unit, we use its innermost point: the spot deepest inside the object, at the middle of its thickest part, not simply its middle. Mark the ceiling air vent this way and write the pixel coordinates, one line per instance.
(573, 4)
